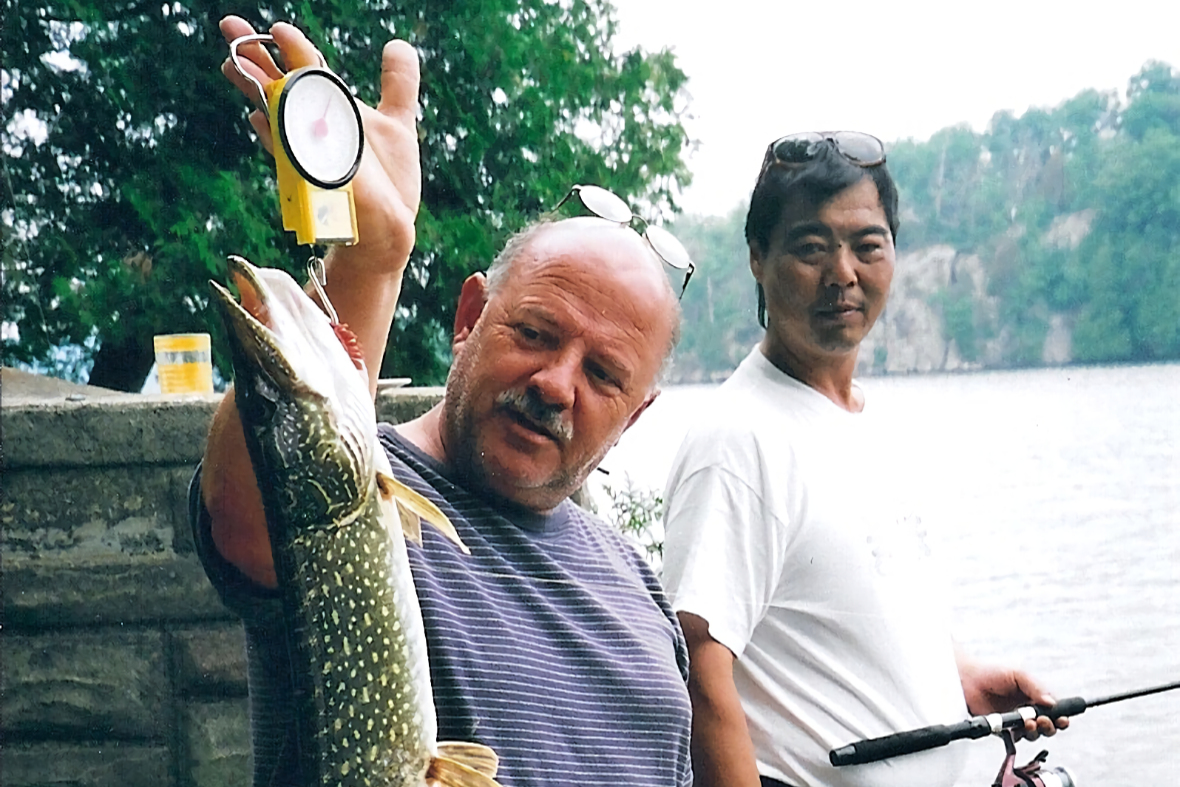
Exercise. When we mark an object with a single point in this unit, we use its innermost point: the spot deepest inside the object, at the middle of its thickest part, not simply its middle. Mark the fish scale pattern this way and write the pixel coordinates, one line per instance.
(358, 656)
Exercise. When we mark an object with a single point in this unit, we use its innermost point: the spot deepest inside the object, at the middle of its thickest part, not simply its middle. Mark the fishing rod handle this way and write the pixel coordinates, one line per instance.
(1070, 706)
(908, 742)
(924, 738)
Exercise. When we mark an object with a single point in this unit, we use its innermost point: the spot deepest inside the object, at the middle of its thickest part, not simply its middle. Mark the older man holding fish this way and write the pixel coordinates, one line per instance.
(549, 638)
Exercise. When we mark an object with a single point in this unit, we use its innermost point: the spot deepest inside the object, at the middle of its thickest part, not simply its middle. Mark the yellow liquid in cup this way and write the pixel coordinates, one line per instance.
(185, 363)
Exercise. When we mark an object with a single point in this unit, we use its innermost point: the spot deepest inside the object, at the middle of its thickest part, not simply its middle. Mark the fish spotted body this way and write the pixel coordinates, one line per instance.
(338, 521)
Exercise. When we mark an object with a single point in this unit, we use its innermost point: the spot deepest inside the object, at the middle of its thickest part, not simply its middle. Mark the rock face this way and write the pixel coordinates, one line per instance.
(120, 665)
(911, 335)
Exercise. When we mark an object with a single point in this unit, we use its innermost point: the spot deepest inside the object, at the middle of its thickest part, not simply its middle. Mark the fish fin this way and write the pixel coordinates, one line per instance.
(413, 509)
(411, 523)
(474, 755)
(452, 773)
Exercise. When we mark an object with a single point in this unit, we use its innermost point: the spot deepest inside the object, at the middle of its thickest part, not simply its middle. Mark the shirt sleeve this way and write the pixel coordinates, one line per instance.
(247, 599)
(723, 549)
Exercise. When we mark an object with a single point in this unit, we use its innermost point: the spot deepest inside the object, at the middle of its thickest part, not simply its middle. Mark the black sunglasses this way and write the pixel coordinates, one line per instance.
(610, 206)
(863, 150)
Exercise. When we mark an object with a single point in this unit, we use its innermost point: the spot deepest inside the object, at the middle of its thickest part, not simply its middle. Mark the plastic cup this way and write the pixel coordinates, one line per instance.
(184, 362)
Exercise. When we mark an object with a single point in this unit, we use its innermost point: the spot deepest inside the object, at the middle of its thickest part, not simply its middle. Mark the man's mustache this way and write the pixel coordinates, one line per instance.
(545, 416)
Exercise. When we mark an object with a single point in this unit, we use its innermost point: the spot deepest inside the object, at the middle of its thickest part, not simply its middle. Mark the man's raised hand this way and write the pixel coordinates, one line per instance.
(388, 184)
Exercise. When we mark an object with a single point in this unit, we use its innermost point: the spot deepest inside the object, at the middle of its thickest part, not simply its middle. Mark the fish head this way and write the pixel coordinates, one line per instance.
(303, 397)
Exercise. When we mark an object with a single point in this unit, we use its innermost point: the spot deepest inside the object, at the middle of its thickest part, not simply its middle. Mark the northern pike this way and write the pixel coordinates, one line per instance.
(338, 521)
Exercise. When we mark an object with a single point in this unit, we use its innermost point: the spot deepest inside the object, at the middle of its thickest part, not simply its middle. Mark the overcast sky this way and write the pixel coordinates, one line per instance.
(905, 68)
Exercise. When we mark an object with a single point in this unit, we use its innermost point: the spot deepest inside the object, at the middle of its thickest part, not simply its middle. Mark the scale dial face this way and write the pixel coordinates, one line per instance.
(320, 126)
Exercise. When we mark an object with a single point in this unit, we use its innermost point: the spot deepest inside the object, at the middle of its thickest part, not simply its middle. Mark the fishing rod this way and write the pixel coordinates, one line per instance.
(897, 744)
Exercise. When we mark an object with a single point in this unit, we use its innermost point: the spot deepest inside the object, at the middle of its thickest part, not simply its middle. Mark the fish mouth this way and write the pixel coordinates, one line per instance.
(249, 322)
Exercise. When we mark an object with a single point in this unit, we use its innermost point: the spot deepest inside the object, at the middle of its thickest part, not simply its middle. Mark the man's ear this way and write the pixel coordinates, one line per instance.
(646, 404)
(472, 298)
(756, 261)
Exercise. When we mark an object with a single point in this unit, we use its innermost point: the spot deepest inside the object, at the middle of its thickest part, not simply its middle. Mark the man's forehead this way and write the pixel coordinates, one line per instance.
(597, 269)
(802, 209)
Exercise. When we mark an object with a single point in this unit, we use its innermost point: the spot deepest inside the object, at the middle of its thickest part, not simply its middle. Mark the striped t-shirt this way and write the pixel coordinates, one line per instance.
(551, 642)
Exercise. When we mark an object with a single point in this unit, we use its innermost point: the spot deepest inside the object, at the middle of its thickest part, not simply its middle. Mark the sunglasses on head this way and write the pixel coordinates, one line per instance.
(610, 206)
(863, 150)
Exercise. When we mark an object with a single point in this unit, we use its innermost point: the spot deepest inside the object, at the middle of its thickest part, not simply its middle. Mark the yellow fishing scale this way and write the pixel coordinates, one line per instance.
(318, 142)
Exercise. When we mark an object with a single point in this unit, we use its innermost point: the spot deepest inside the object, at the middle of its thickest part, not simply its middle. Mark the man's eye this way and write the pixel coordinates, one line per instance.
(528, 333)
(599, 374)
(804, 250)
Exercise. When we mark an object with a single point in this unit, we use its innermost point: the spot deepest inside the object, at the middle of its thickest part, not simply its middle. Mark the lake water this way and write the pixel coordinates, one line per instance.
(1058, 496)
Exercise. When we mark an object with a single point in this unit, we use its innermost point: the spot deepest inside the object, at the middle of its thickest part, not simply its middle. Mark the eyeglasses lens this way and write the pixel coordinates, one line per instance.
(797, 148)
(861, 148)
(605, 204)
(670, 250)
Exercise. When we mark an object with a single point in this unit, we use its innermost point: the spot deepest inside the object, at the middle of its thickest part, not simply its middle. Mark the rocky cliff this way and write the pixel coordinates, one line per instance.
(912, 335)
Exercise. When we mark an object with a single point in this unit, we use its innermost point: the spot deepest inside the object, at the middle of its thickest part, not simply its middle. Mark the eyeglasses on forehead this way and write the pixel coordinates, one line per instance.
(610, 206)
(861, 149)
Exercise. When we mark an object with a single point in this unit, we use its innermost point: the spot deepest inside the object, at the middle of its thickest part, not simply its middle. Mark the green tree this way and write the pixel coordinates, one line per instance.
(1133, 253)
(720, 309)
(130, 171)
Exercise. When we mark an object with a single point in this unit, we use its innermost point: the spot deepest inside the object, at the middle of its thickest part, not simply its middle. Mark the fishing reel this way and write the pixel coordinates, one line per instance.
(1033, 774)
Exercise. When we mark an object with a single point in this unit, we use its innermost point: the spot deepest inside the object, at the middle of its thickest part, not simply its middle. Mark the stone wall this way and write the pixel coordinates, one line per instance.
(120, 667)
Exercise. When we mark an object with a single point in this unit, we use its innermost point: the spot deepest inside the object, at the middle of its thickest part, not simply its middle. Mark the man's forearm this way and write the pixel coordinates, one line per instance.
(365, 299)
(722, 752)
(230, 493)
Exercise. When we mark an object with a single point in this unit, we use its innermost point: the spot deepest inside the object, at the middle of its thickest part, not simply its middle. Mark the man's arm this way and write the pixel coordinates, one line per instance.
(363, 281)
(990, 689)
(722, 752)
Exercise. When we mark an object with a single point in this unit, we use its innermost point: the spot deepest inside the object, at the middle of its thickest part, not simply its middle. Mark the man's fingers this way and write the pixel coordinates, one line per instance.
(252, 53)
(248, 88)
(399, 82)
(297, 49)
(262, 127)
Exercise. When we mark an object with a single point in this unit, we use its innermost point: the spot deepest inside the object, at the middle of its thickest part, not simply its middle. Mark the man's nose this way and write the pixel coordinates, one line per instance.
(557, 380)
(841, 270)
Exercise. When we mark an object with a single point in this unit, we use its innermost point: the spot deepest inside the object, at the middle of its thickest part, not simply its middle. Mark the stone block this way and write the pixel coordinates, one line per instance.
(217, 744)
(403, 404)
(211, 660)
(109, 764)
(140, 429)
(40, 595)
(78, 514)
(85, 686)
(115, 430)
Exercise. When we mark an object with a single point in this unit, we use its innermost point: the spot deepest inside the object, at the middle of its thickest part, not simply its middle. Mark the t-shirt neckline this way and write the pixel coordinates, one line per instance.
(550, 523)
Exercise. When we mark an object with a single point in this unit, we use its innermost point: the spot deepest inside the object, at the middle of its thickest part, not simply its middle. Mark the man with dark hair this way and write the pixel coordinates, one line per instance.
(552, 641)
(797, 564)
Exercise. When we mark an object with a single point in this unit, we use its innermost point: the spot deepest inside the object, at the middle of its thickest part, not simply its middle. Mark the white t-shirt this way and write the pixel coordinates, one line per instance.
(789, 531)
